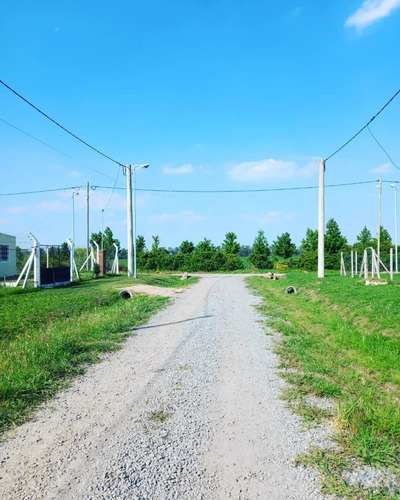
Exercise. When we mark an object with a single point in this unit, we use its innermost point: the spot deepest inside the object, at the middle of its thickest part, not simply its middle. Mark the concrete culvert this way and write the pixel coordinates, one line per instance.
(125, 294)
(290, 289)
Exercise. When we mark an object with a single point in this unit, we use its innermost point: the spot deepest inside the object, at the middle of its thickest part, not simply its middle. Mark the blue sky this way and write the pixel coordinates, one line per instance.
(214, 95)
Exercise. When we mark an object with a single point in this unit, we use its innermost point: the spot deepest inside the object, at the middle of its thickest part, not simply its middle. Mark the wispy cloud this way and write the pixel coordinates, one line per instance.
(17, 210)
(386, 168)
(370, 12)
(183, 169)
(271, 170)
(3, 220)
(74, 173)
(186, 217)
(269, 218)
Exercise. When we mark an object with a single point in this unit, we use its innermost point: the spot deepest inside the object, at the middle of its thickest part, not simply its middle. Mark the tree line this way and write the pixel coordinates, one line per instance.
(281, 254)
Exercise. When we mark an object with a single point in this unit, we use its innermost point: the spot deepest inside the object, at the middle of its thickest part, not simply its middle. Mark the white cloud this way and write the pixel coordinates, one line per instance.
(186, 217)
(17, 210)
(271, 170)
(74, 173)
(3, 220)
(371, 11)
(386, 168)
(183, 169)
(269, 218)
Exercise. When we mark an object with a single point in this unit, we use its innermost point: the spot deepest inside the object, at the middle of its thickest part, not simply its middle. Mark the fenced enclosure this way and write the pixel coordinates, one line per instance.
(369, 263)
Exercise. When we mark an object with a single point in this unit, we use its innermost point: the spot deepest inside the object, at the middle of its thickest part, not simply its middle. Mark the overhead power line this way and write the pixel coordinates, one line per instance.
(237, 190)
(383, 149)
(59, 125)
(364, 127)
(42, 191)
(55, 149)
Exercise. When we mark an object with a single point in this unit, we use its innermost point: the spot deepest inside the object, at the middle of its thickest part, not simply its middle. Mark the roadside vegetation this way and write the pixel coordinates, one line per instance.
(230, 256)
(48, 336)
(340, 341)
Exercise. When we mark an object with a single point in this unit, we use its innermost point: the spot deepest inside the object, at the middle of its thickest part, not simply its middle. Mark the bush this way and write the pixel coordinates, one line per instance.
(281, 266)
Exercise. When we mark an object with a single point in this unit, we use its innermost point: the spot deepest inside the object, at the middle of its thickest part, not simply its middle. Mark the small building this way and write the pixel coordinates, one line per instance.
(8, 255)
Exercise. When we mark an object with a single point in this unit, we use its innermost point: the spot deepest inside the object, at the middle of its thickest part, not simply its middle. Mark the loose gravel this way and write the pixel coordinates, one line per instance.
(190, 408)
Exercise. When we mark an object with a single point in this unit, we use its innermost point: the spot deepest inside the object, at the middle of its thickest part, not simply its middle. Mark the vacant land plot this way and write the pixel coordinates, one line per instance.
(341, 340)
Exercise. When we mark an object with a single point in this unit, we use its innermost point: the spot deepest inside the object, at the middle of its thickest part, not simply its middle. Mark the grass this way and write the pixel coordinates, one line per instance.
(342, 341)
(48, 336)
(159, 416)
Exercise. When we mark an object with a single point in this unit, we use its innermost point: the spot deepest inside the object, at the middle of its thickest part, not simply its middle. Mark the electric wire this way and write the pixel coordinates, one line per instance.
(55, 149)
(237, 190)
(383, 149)
(115, 184)
(364, 127)
(41, 191)
(59, 125)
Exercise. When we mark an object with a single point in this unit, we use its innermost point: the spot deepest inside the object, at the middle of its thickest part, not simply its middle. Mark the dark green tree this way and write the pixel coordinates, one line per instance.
(108, 238)
(364, 240)
(310, 242)
(230, 249)
(259, 257)
(283, 246)
(385, 242)
(335, 242)
(140, 244)
(245, 250)
(186, 247)
(230, 245)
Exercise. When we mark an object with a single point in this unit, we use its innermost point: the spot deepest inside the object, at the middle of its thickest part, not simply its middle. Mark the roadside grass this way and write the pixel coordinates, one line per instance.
(341, 341)
(48, 336)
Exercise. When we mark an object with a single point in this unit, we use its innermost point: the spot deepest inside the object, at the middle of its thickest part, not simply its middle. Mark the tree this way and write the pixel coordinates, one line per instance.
(205, 257)
(107, 237)
(261, 252)
(310, 242)
(364, 240)
(230, 250)
(335, 242)
(283, 246)
(230, 246)
(140, 244)
(245, 250)
(385, 241)
(186, 247)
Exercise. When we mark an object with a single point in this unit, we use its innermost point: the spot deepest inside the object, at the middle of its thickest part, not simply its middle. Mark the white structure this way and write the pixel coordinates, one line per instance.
(8, 255)
(115, 266)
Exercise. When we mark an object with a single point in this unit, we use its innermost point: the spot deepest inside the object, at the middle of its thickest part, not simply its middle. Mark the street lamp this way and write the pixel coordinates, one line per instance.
(395, 226)
(132, 270)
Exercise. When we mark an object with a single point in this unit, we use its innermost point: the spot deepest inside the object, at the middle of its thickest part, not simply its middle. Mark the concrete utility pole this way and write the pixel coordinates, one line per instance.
(321, 220)
(131, 225)
(379, 186)
(129, 219)
(395, 226)
(87, 226)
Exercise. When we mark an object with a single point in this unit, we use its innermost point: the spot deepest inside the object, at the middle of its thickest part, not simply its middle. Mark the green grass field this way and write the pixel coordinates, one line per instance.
(341, 340)
(48, 336)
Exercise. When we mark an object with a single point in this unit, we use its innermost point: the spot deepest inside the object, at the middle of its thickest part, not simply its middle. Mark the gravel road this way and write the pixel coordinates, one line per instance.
(188, 409)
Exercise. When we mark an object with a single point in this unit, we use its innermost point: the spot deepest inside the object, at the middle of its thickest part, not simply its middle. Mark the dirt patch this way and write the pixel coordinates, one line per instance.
(153, 290)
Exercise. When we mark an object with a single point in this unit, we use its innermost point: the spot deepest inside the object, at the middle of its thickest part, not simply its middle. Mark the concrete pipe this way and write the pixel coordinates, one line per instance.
(125, 294)
(290, 289)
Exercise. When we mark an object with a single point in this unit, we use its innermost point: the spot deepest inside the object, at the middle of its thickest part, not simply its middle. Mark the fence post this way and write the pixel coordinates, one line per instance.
(365, 264)
(352, 264)
(391, 264)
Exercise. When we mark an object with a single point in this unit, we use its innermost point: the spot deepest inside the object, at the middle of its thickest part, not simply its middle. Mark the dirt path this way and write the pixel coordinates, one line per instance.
(189, 409)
